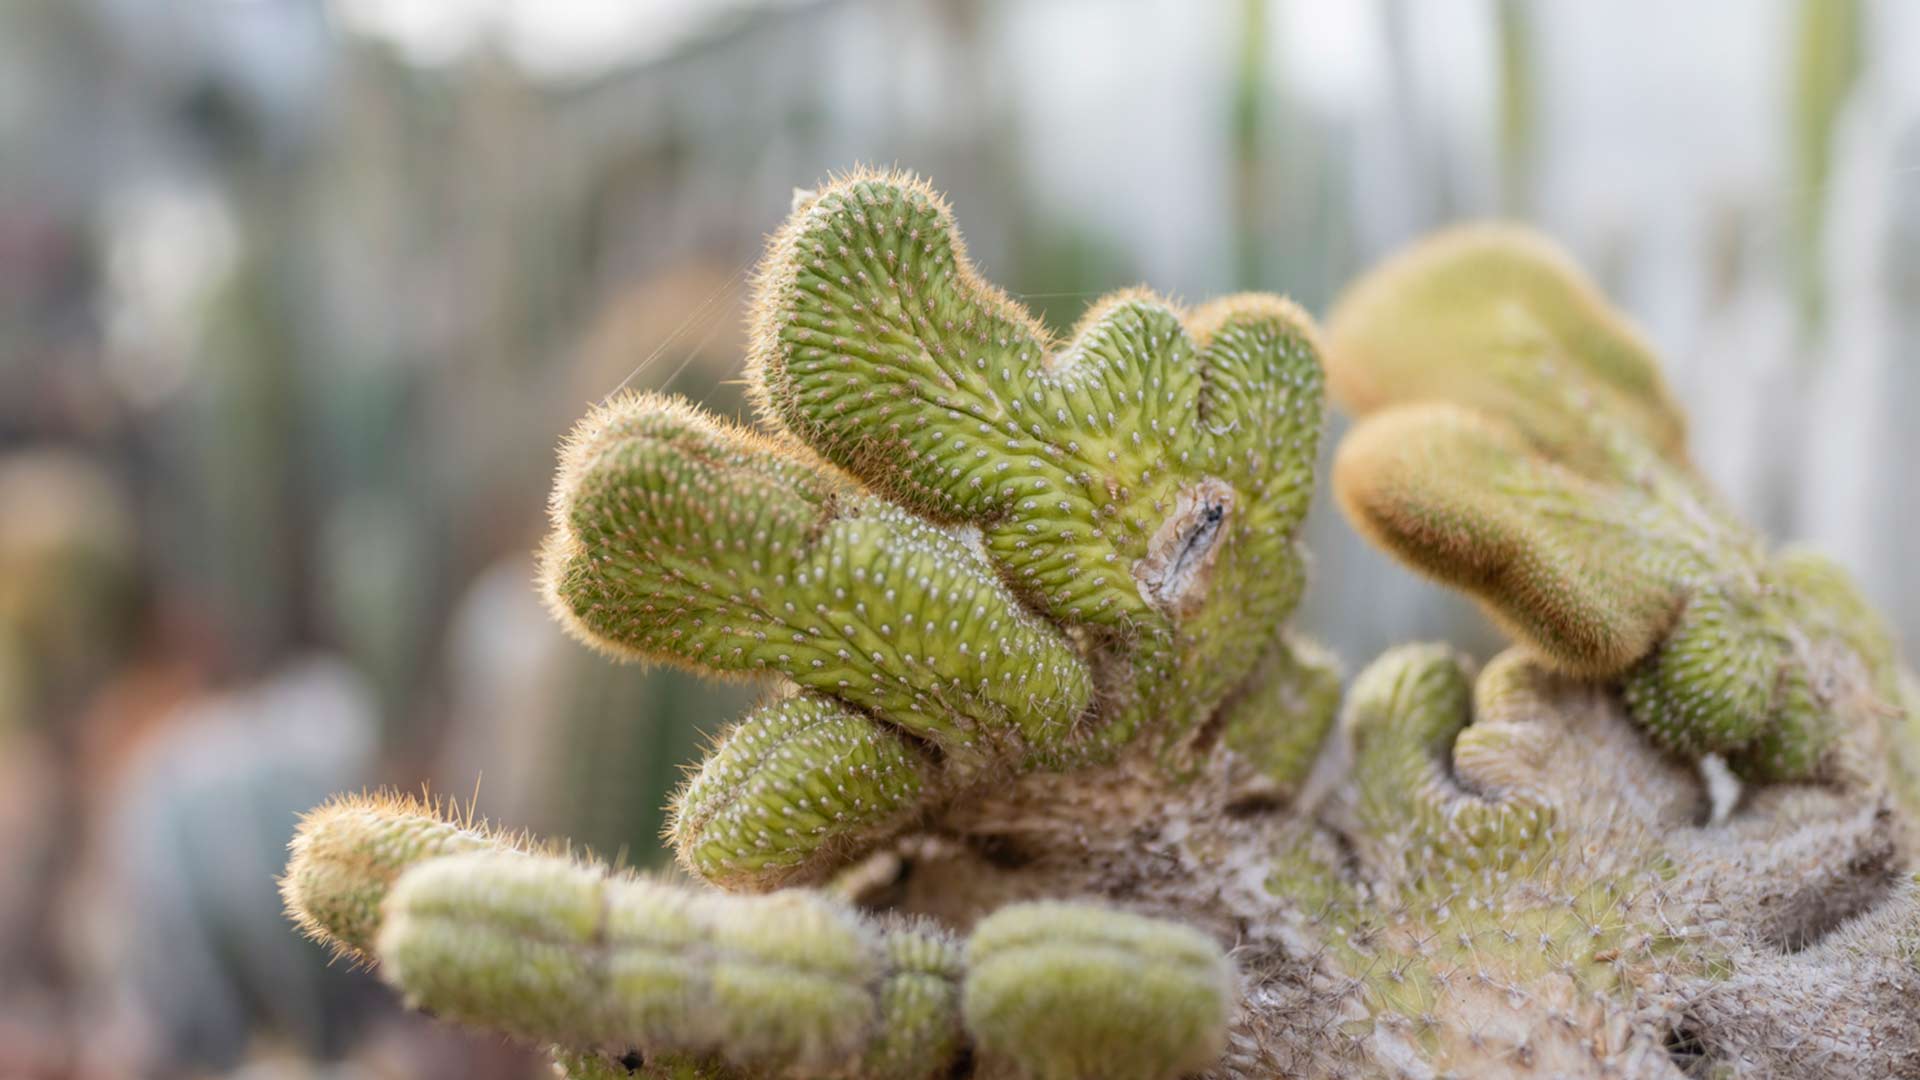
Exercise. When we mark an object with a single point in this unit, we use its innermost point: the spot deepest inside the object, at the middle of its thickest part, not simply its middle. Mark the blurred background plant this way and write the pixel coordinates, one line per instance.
(297, 296)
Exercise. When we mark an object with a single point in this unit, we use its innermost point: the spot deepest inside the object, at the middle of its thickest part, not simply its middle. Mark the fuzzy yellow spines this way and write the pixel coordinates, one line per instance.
(1145, 478)
(1066, 991)
(1501, 321)
(680, 538)
(1516, 441)
(1503, 406)
(348, 852)
(1554, 555)
(794, 789)
(1637, 582)
(553, 950)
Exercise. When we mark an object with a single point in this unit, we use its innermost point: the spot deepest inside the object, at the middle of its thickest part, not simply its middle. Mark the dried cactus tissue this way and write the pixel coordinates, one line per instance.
(1042, 785)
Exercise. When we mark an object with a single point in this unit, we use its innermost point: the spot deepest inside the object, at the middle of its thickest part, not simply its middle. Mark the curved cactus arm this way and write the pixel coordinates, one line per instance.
(553, 950)
(629, 975)
(1516, 441)
(549, 950)
(680, 538)
(1071, 543)
(1555, 556)
(796, 789)
(1144, 479)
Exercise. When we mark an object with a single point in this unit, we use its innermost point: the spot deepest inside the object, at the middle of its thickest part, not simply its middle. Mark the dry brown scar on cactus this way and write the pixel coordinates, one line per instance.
(1176, 570)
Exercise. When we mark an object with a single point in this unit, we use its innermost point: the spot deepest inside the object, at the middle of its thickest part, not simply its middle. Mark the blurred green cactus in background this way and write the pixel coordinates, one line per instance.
(1519, 443)
(1043, 787)
(68, 581)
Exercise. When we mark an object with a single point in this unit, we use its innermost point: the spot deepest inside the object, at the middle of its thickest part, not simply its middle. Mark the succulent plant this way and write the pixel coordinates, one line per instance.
(1519, 443)
(1045, 789)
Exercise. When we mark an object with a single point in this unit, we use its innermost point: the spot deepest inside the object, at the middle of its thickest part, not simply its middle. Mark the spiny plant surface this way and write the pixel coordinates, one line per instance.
(1031, 554)
(1043, 789)
(1518, 442)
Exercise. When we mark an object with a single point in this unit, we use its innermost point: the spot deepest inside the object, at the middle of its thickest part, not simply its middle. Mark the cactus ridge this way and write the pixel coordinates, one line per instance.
(1035, 552)
(794, 786)
(1122, 481)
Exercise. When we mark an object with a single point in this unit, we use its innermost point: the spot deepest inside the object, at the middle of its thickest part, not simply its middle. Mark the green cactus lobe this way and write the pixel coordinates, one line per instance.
(1519, 443)
(1146, 478)
(687, 541)
(791, 789)
(549, 949)
(1066, 991)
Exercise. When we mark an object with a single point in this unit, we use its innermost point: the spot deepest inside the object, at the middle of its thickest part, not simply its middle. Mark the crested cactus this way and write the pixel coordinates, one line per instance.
(1518, 442)
(1039, 552)
(1044, 788)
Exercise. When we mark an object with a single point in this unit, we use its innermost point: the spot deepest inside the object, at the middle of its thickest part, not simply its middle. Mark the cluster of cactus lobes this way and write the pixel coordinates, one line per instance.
(1045, 788)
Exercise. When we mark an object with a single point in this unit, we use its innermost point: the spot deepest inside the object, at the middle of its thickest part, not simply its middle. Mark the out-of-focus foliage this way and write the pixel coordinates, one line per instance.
(1828, 55)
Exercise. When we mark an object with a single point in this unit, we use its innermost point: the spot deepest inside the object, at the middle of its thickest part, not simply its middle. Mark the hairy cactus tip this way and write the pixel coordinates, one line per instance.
(967, 546)
(1518, 441)
(348, 852)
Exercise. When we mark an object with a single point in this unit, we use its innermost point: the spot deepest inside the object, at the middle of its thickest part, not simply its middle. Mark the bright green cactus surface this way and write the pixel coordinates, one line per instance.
(1042, 787)
(792, 787)
(1059, 545)
(1123, 481)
